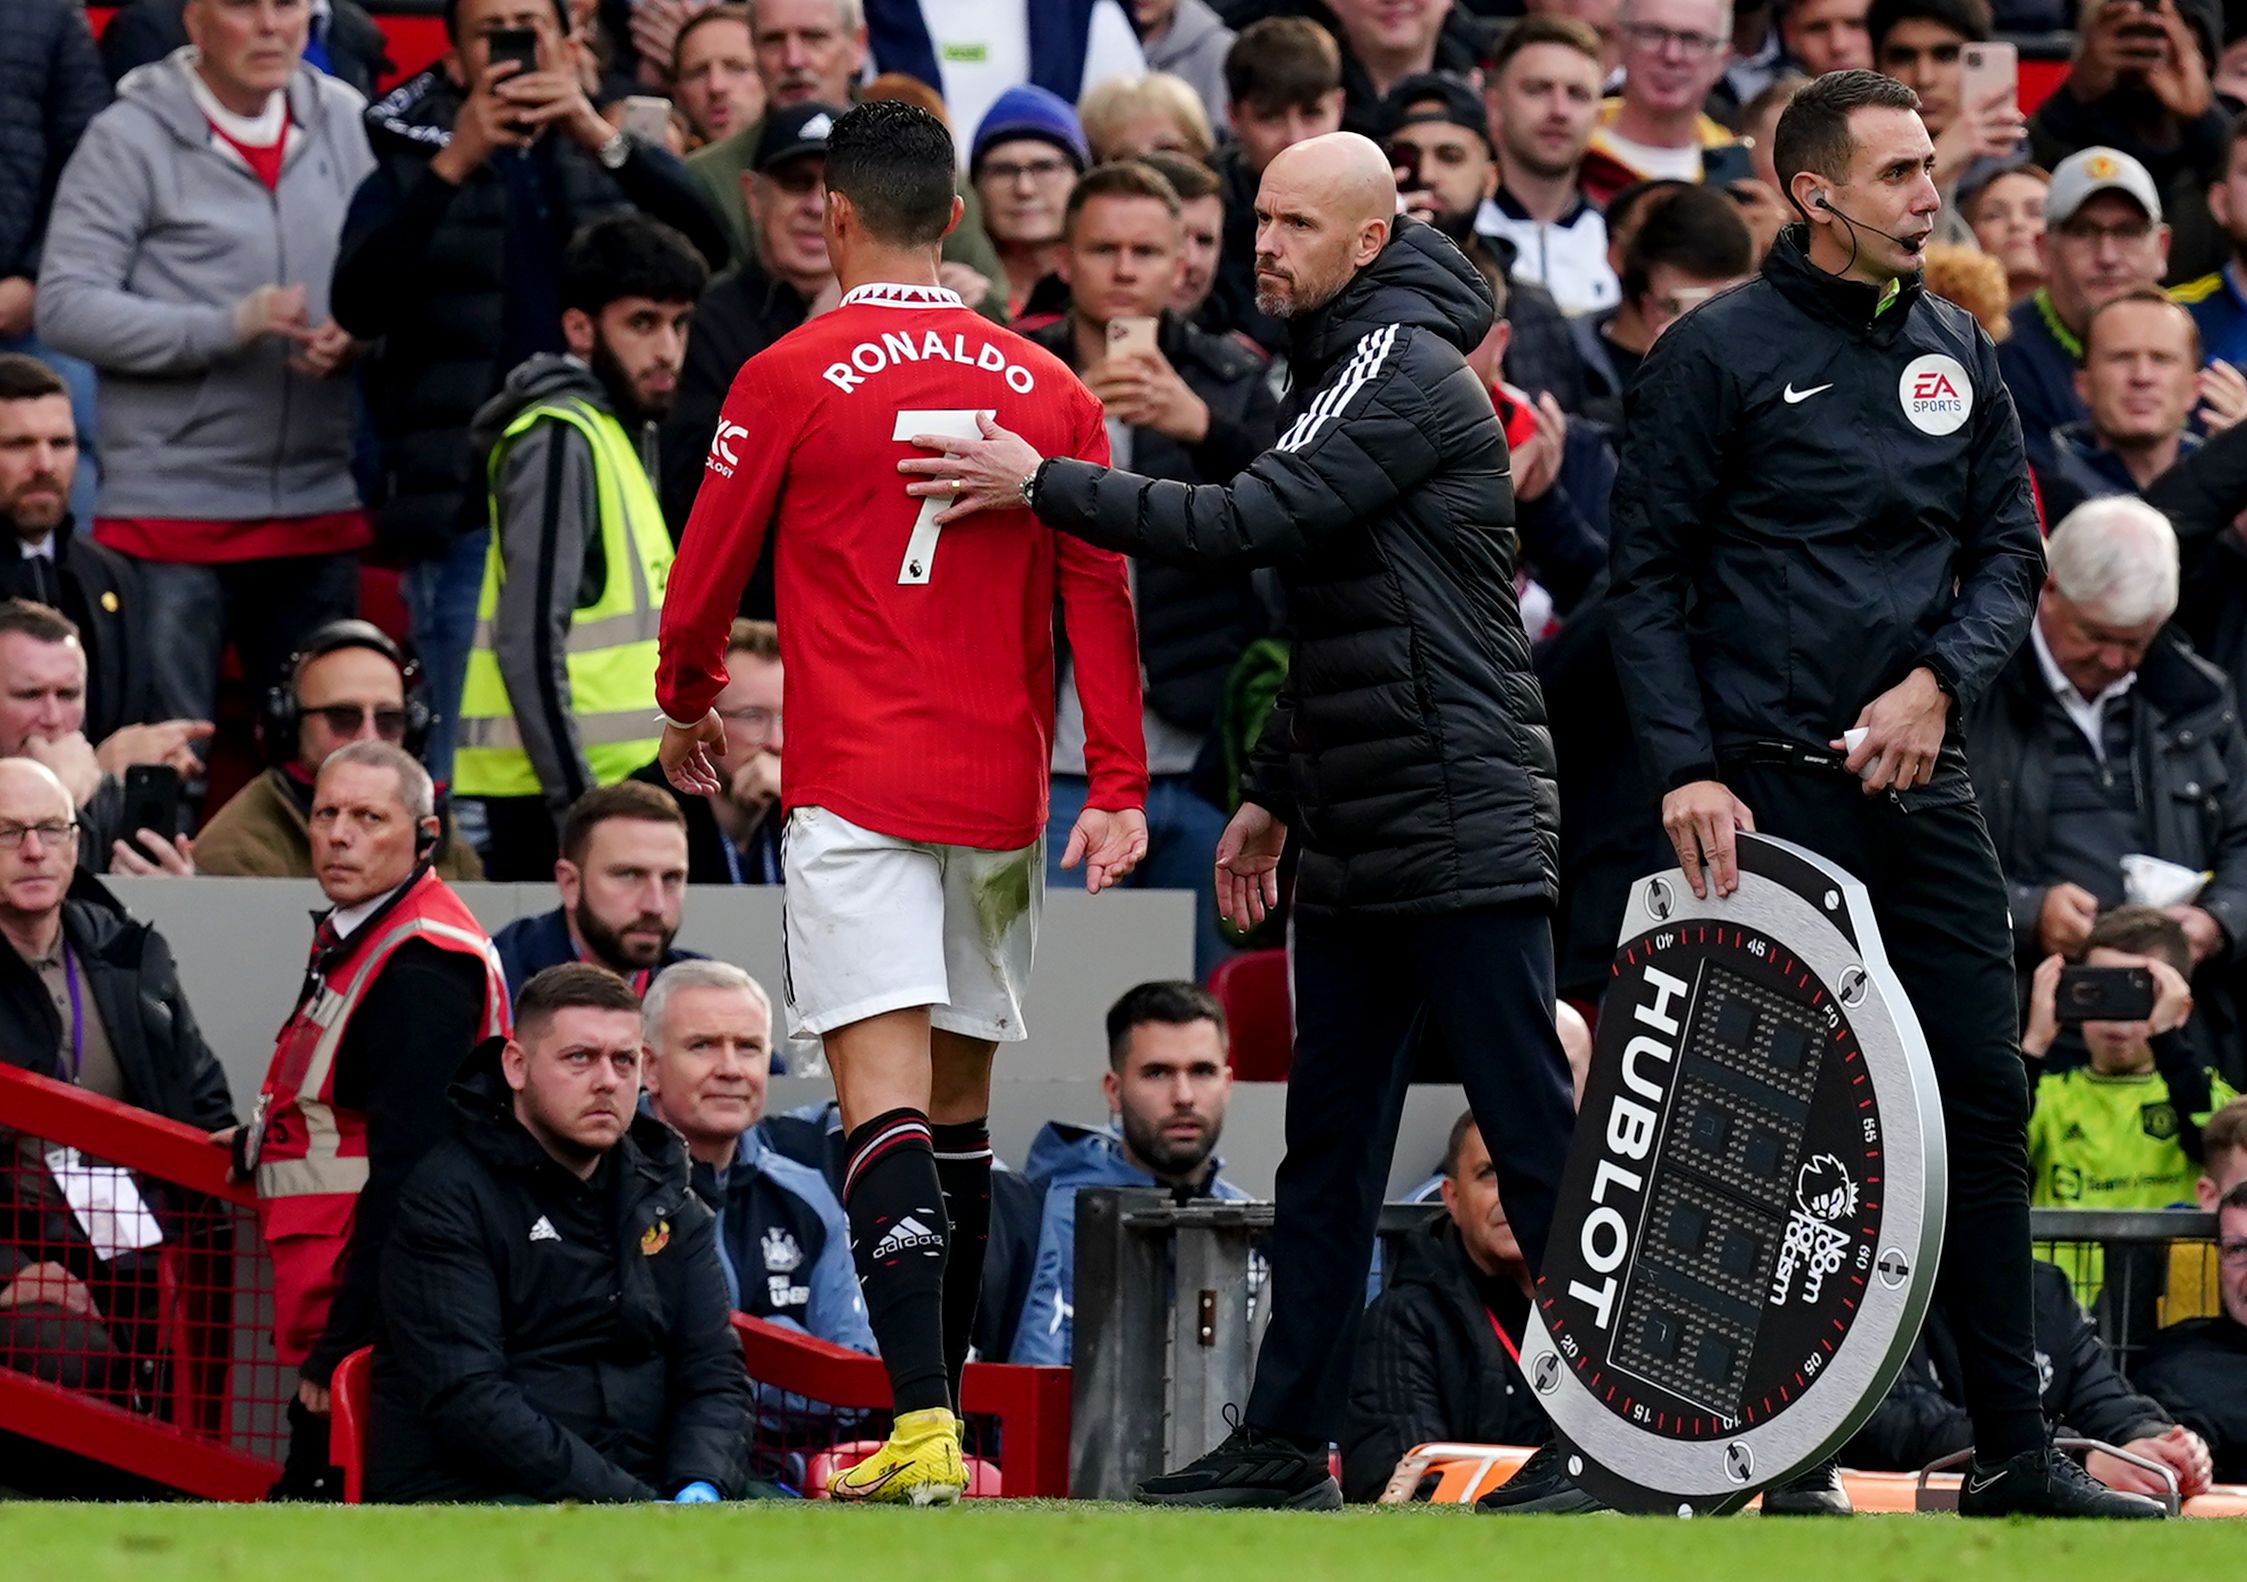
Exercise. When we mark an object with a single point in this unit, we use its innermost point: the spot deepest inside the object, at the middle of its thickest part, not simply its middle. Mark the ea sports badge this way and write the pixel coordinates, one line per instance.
(1752, 1210)
(1936, 395)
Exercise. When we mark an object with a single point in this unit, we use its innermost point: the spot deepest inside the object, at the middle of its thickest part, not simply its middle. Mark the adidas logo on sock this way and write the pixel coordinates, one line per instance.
(544, 1230)
(904, 1236)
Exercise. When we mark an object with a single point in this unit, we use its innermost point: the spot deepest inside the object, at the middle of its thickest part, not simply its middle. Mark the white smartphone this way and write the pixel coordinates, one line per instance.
(1987, 69)
(647, 118)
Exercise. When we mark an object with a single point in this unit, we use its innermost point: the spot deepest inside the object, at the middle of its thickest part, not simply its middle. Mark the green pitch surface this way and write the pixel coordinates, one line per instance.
(1066, 1543)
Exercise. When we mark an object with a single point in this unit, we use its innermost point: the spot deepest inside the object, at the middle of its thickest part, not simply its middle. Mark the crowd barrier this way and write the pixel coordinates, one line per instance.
(1167, 1320)
(154, 1355)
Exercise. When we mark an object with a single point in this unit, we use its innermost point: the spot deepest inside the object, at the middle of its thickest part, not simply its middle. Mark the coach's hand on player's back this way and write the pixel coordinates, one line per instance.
(974, 474)
(1699, 818)
(1109, 844)
(690, 757)
(1248, 866)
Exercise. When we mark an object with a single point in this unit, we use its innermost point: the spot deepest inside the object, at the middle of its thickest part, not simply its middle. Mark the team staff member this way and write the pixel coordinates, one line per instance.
(1809, 586)
(1408, 752)
(401, 985)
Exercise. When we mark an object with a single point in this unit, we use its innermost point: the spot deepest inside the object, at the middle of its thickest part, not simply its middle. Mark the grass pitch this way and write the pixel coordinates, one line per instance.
(1055, 1542)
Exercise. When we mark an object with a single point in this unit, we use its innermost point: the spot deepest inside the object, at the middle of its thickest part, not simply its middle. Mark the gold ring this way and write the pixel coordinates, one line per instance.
(956, 484)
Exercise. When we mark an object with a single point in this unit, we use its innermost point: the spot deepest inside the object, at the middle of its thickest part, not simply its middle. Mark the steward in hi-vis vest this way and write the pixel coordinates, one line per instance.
(559, 693)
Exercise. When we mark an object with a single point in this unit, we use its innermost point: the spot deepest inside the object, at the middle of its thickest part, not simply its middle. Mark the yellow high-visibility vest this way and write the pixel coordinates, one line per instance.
(611, 648)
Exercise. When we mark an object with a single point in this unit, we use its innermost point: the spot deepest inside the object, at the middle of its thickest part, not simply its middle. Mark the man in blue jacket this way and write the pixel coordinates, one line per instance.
(622, 879)
(1168, 1084)
(781, 1233)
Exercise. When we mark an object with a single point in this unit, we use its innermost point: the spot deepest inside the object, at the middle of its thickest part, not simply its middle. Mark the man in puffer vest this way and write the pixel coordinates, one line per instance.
(560, 690)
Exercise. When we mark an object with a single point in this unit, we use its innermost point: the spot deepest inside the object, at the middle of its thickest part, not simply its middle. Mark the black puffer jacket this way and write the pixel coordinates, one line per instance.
(1817, 495)
(1430, 1365)
(459, 284)
(1408, 749)
(50, 86)
(1195, 623)
(548, 1337)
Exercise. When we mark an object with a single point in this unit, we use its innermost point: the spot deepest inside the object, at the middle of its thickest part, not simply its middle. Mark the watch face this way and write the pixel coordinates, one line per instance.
(1748, 1224)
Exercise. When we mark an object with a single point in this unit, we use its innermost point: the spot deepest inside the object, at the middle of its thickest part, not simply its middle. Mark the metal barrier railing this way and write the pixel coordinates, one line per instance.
(1166, 1333)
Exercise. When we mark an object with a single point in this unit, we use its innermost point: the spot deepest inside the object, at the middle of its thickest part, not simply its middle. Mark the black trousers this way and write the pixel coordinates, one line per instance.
(1939, 898)
(1366, 987)
(523, 840)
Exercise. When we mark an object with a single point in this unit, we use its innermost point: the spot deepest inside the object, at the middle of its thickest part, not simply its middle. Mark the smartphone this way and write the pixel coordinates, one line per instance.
(518, 44)
(1131, 335)
(1985, 70)
(151, 800)
(647, 118)
(2104, 994)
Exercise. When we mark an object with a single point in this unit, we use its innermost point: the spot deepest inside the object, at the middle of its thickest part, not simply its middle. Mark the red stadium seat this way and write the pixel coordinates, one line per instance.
(1253, 988)
(347, 1420)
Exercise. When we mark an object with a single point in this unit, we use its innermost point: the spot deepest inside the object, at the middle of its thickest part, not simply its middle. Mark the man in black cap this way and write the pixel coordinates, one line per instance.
(786, 279)
(1438, 138)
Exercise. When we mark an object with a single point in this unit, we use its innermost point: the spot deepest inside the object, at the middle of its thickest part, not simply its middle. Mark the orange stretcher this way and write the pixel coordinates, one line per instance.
(1464, 1473)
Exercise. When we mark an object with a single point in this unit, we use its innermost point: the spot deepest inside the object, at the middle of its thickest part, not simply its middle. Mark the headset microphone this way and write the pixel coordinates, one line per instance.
(1826, 204)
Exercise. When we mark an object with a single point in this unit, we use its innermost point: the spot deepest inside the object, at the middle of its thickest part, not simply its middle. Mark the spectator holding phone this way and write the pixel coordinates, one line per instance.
(2122, 1131)
(485, 165)
(2100, 685)
(1922, 44)
(2139, 84)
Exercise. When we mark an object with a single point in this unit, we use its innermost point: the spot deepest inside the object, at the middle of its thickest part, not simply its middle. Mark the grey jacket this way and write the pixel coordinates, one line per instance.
(547, 517)
(155, 236)
(1195, 49)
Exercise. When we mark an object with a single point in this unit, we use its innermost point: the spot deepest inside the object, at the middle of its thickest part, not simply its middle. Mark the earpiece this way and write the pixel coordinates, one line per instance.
(1819, 199)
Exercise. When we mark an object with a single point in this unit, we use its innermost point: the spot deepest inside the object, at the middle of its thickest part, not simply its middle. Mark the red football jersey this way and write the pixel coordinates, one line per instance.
(920, 664)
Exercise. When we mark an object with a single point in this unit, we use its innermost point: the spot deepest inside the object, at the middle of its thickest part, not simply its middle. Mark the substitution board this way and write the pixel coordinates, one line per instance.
(1752, 1210)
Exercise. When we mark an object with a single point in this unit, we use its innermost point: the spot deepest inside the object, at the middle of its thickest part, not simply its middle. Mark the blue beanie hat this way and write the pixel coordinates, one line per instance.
(1030, 111)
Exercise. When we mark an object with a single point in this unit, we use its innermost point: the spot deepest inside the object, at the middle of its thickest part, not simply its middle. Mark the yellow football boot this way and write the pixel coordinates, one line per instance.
(920, 1465)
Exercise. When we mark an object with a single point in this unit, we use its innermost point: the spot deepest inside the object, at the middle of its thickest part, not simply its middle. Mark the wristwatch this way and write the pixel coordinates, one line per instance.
(613, 153)
(1028, 487)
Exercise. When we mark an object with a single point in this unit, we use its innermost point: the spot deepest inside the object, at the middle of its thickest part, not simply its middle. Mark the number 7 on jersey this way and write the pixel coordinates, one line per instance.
(920, 548)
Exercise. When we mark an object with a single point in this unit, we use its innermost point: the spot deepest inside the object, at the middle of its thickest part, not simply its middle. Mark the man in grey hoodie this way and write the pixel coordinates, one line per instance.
(559, 695)
(1187, 39)
(187, 258)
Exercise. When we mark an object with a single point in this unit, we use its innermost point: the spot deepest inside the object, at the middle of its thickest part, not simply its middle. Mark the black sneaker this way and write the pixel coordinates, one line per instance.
(1251, 1470)
(2042, 1482)
(1540, 1486)
(1816, 1492)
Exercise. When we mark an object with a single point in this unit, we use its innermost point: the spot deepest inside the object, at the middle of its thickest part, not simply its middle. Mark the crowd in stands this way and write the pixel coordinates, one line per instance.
(281, 328)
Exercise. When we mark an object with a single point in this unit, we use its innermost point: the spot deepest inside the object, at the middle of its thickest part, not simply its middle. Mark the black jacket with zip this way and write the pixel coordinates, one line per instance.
(1804, 514)
(548, 1337)
(1408, 749)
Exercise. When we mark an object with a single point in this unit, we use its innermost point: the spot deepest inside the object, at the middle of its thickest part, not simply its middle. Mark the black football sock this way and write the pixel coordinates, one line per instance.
(897, 1237)
(963, 1169)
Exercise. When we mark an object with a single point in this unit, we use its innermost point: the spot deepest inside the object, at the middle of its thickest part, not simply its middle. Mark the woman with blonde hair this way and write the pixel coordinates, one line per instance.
(1972, 279)
(1126, 117)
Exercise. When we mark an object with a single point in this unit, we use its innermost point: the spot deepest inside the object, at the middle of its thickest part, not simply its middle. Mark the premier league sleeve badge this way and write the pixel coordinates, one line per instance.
(1752, 1210)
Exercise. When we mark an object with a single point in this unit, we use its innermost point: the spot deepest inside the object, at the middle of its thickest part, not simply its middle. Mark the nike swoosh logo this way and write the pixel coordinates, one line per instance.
(1794, 395)
(1976, 1485)
(864, 1490)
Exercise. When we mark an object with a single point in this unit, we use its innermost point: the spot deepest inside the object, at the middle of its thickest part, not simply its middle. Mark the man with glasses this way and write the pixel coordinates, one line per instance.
(733, 834)
(2198, 1369)
(349, 683)
(2103, 239)
(90, 997)
(1673, 53)
(400, 984)
(1027, 156)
